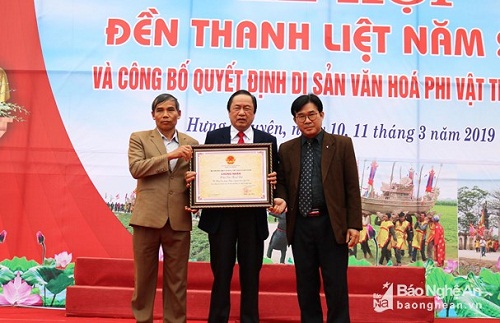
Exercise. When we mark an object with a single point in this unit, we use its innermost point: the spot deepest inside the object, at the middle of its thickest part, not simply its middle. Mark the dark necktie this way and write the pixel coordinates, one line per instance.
(241, 135)
(305, 186)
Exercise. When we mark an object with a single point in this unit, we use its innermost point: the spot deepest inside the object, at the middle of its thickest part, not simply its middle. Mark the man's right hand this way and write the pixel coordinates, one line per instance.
(185, 152)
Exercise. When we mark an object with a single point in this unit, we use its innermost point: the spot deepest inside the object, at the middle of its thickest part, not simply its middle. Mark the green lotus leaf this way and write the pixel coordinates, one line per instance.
(492, 284)
(19, 264)
(6, 275)
(469, 305)
(60, 283)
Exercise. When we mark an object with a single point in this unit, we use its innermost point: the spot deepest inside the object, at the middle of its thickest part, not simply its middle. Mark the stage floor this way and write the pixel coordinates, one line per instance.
(11, 314)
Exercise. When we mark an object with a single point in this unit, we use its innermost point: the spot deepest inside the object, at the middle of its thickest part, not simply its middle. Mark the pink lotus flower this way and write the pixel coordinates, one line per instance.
(451, 266)
(63, 259)
(18, 292)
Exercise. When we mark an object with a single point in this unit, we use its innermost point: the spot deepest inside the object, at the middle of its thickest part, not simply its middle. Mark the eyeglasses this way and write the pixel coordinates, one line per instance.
(310, 116)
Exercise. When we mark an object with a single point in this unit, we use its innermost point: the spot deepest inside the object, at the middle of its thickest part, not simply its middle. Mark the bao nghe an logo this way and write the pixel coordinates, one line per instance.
(384, 302)
(402, 297)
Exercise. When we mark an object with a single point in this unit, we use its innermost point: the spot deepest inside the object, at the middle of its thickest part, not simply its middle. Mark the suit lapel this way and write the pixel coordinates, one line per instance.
(182, 138)
(226, 136)
(158, 141)
(182, 141)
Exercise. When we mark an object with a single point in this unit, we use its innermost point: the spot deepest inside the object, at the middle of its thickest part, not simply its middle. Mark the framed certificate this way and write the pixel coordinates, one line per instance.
(231, 175)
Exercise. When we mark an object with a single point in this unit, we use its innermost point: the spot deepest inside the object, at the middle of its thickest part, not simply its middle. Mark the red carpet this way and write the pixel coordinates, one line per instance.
(37, 315)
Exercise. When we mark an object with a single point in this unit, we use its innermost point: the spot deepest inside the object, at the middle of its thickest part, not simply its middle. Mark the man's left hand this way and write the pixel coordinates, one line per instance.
(278, 207)
(352, 237)
(271, 178)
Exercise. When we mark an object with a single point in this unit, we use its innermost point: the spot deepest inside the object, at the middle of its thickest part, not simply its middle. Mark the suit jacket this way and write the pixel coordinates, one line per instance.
(161, 194)
(211, 218)
(340, 180)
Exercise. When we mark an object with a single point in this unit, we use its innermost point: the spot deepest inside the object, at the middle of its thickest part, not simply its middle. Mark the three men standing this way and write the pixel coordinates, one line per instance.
(317, 180)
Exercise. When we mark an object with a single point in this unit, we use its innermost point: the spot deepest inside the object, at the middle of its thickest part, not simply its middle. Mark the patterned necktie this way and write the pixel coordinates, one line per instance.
(305, 187)
(241, 135)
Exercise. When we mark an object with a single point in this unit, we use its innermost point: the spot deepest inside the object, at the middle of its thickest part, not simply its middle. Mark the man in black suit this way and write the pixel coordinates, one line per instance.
(238, 233)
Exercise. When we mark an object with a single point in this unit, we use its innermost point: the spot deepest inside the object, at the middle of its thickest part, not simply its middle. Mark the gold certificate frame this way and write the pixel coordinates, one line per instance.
(230, 175)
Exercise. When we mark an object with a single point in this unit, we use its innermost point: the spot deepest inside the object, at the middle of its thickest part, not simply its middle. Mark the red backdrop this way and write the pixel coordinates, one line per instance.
(43, 184)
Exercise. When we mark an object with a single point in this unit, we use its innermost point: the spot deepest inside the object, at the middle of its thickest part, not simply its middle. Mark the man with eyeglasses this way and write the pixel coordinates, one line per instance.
(318, 179)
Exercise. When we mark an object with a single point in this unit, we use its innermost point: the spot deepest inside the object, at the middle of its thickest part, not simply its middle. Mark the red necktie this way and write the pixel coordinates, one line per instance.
(241, 135)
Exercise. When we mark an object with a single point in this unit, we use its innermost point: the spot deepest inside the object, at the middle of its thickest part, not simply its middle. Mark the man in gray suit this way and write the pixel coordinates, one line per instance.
(159, 159)
(318, 179)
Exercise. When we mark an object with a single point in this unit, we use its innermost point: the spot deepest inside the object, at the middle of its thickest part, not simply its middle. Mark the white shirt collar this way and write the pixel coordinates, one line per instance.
(175, 137)
(248, 134)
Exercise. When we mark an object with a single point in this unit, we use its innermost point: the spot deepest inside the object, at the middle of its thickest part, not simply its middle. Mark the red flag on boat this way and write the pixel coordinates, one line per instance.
(430, 180)
(373, 169)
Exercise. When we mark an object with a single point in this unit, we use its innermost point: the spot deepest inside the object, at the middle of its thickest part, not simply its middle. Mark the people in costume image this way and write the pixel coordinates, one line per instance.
(439, 242)
(409, 237)
(419, 237)
(491, 244)
(402, 227)
(429, 239)
(366, 234)
(385, 233)
(495, 246)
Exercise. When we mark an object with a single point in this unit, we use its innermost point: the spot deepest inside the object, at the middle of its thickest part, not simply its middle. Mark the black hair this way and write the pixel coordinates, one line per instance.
(302, 100)
(245, 92)
(162, 98)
